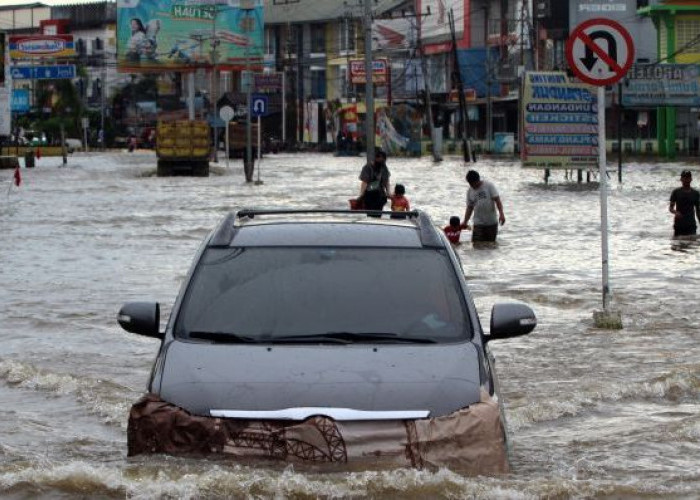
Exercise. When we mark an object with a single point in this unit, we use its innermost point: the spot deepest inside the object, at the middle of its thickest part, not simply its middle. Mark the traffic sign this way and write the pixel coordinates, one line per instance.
(226, 113)
(258, 105)
(600, 51)
(56, 72)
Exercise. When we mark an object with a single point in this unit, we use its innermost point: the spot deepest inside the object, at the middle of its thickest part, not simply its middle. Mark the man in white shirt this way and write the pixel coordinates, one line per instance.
(482, 202)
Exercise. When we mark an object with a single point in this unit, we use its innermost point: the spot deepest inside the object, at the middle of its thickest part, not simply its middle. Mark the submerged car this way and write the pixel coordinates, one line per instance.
(325, 336)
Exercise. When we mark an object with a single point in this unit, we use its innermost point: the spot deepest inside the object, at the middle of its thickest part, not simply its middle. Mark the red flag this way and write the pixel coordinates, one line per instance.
(38, 153)
(18, 177)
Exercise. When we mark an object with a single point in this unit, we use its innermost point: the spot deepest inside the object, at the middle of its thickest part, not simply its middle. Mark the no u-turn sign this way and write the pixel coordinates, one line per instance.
(600, 51)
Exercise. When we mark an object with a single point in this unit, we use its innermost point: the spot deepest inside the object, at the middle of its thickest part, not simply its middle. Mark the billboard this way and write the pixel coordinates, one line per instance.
(560, 122)
(651, 85)
(391, 34)
(435, 26)
(41, 46)
(176, 35)
(380, 70)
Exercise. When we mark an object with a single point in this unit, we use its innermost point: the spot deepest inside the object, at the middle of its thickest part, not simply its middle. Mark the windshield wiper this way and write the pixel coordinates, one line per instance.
(348, 337)
(225, 337)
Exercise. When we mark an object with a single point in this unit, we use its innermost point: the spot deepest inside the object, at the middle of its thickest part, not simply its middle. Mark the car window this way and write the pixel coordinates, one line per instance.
(268, 293)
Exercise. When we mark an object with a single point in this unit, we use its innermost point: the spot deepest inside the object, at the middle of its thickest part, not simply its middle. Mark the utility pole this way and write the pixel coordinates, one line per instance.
(103, 86)
(215, 82)
(428, 101)
(248, 166)
(369, 85)
(489, 98)
(457, 79)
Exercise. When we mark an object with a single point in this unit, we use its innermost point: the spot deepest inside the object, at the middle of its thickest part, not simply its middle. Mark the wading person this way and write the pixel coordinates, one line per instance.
(374, 185)
(685, 207)
(482, 202)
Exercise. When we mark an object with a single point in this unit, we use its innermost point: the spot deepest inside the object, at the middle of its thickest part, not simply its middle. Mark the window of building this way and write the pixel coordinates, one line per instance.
(318, 83)
(318, 38)
(347, 35)
(686, 32)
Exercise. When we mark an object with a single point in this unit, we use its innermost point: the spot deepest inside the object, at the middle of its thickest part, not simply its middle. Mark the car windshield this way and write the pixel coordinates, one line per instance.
(267, 294)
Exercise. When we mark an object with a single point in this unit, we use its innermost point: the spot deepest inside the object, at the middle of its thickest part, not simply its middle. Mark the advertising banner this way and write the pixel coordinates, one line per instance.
(267, 83)
(651, 85)
(388, 34)
(560, 122)
(181, 35)
(55, 72)
(41, 46)
(435, 26)
(380, 70)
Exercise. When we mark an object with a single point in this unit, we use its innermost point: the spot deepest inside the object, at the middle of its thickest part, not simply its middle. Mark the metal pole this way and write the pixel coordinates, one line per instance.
(369, 85)
(190, 95)
(63, 144)
(248, 167)
(214, 85)
(489, 99)
(619, 132)
(602, 173)
(102, 105)
(284, 109)
(428, 101)
(259, 149)
(227, 143)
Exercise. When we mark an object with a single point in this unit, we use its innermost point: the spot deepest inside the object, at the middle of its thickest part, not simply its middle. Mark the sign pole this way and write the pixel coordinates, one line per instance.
(259, 150)
(284, 111)
(601, 64)
(602, 173)
(227, 145)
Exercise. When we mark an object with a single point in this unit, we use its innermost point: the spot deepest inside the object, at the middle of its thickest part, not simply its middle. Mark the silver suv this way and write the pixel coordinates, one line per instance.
(325, 336)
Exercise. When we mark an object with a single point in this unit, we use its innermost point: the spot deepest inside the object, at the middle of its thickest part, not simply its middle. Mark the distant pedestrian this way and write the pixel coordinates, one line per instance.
(374, 185)
(399, 202)
(482, 202)
(454, 229)
(132, 143)
(685, 206)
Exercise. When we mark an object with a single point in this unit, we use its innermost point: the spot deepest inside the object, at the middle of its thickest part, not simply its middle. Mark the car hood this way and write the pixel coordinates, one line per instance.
(440, 378)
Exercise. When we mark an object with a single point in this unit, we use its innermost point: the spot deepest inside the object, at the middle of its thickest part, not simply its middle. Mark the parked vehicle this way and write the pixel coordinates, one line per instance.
(183, 148)
(325, 336)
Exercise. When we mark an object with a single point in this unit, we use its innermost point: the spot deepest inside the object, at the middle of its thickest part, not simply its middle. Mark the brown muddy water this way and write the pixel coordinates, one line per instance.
(592, 413)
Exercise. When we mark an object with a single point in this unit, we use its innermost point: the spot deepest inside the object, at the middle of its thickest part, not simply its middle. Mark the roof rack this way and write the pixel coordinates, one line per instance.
(227, 229)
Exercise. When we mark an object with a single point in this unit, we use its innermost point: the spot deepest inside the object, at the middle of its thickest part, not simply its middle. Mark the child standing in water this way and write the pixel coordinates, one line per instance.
(454, 229)
(399, 202)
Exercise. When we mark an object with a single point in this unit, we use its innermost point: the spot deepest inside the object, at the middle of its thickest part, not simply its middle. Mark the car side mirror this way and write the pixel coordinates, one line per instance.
(511, 320)
(142, 318)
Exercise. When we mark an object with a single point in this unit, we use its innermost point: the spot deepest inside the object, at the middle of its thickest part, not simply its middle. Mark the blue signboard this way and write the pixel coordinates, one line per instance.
(20, 101)
(651, 85)
(55, 72)
(258, 104)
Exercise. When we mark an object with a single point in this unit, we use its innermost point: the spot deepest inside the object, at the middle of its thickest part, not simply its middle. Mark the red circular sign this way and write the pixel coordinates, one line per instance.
(596, 63)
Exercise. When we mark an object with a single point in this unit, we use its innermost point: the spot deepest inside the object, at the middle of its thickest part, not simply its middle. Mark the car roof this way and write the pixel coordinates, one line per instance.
(285, 227)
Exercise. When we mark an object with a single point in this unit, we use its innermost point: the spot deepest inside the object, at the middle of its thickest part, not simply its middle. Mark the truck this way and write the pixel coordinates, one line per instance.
(183, 147)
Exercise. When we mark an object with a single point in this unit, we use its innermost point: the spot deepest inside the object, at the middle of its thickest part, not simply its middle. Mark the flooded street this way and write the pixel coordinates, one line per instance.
(591, 413)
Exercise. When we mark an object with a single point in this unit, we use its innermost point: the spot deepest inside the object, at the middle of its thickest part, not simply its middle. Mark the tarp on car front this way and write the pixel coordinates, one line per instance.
(471, 440)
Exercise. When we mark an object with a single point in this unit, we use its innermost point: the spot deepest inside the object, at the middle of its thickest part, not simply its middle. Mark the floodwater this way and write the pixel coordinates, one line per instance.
(592, 413)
